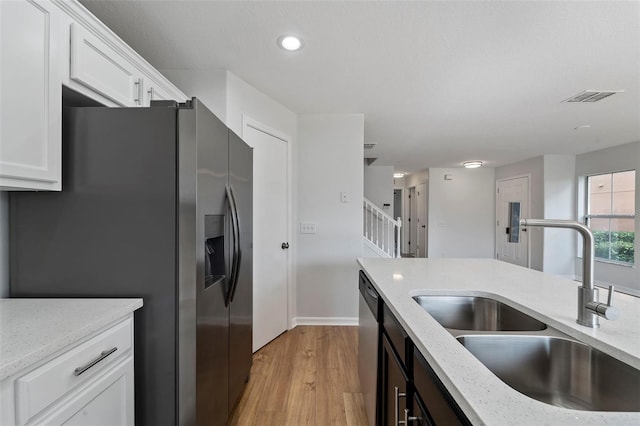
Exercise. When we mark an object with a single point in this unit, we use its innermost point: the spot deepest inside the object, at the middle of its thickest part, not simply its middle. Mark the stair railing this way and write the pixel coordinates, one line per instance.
(381, 229)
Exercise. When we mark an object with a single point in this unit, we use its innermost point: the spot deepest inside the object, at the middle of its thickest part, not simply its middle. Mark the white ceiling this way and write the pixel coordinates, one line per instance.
(439, 82)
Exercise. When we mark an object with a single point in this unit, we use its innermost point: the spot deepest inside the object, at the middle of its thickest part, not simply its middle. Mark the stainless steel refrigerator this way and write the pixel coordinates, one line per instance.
(156, 203)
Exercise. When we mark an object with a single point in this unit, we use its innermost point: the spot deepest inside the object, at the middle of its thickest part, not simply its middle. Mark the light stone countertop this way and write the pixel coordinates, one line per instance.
(483, 397)
(33, 329)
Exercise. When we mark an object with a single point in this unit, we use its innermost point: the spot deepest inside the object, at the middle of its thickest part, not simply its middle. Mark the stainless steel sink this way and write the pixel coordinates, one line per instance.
(558, 371)
(477, 313)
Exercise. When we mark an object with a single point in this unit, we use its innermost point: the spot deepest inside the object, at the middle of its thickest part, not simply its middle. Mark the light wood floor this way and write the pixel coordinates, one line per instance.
(307, 376)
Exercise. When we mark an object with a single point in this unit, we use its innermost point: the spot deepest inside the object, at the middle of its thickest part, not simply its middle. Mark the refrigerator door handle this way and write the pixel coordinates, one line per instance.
(234, 257)
(238, 256)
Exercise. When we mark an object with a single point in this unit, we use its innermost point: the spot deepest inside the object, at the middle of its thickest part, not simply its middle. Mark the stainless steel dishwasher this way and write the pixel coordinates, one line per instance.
(368, 345)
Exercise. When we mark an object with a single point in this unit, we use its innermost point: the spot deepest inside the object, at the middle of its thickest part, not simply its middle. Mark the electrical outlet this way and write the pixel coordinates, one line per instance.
(308, 228)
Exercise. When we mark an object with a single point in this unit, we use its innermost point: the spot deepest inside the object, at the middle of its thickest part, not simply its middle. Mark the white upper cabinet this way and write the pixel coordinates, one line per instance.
(47, 44)
(97, 66)
(30, 95)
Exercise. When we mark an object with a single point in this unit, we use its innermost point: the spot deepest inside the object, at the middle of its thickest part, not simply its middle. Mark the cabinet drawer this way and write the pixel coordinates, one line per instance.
(46, 384)
(396, 333)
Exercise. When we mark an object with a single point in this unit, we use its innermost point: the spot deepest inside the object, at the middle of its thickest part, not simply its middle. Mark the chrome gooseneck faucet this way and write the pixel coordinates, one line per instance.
(589, 308)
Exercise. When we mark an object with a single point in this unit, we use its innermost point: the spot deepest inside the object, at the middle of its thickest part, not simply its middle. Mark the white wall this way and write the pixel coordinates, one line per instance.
(4, 244)
(330, 152)
(209, 86)
(534, 168)
(229, 98)
(624, 157)
(462, 213)
(242, 98)
(415, 178)
(378, 186)
(559, 203)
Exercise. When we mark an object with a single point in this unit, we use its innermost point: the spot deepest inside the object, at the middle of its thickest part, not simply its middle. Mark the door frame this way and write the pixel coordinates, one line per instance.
(497, 214)
(412, 215)
(422, 200)
(247, 121)
(401, 207)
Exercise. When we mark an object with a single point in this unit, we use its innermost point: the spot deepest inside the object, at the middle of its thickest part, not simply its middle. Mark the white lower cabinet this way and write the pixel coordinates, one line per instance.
(90, 383)
(106, 401)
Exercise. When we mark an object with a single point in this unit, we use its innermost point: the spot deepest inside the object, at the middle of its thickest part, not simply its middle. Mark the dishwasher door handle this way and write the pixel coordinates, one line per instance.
(371, 292)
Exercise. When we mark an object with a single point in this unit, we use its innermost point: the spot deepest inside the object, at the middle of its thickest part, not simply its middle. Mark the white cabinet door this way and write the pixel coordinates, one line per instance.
(30, 95)
(102, 69)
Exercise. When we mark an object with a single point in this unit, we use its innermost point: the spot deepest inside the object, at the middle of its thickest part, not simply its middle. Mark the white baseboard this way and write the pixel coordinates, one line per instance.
(351, 321)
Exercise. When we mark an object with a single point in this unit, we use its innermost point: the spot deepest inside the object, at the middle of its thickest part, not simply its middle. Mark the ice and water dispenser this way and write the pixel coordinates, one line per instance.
(215, 267)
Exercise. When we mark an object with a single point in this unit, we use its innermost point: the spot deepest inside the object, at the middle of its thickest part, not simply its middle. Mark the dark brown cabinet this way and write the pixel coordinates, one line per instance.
(432, 398)
(395, 381)
(410, 392)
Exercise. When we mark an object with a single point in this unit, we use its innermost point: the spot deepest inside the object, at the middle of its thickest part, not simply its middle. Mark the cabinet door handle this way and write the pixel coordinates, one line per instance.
(408, 418)
(151, 92)
(398, 395)
(78, 371)
(138, 99)
(396, 405)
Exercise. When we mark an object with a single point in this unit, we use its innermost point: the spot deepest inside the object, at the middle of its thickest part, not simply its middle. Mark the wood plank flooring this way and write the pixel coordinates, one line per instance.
(306, 376)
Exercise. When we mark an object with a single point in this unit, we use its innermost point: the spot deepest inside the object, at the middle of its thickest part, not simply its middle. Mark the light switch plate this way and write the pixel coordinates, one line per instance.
(344, 197)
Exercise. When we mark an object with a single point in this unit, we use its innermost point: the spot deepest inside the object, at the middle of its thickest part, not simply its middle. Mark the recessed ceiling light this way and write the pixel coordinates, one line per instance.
(472, 164)
(398, 175)
(290, 43)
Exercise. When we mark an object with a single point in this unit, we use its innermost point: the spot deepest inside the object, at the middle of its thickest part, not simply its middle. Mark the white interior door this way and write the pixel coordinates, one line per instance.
(421, 220)
(512, 204)
(270, 232)
(413, 217)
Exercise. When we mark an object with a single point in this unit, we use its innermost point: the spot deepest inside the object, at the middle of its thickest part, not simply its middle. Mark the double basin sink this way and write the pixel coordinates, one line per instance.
(534, 359)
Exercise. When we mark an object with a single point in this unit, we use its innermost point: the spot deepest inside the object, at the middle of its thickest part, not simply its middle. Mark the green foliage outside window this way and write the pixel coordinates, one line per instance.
(616, 246)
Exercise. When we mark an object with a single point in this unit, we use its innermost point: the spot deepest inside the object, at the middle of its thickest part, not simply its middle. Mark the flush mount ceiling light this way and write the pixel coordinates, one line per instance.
(472, 164)
(290, 43)
(398, 175)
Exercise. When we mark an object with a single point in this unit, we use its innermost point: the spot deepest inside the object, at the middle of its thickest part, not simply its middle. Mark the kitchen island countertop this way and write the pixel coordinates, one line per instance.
(483, 397)
(33, 329)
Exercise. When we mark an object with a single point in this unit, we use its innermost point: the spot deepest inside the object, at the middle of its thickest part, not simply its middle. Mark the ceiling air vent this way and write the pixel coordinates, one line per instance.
(592, 95)
(369, 145)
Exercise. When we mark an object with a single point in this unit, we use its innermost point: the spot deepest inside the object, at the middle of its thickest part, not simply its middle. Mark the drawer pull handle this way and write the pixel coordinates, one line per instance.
(78, 371)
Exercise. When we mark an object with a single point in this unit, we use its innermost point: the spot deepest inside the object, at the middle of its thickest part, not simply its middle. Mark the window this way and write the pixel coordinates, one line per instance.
(611, 215)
